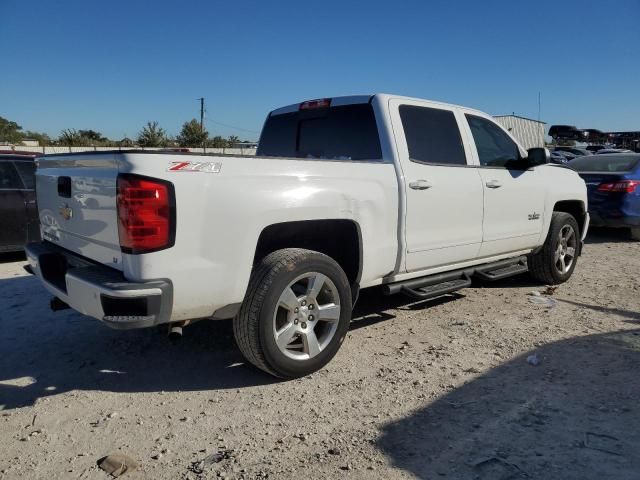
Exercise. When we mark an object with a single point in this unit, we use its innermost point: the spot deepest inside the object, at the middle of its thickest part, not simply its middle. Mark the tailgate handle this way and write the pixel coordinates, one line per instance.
(64, 187)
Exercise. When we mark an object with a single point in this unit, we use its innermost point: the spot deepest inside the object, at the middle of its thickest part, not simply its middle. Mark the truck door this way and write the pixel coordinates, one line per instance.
(13, 225)
(443, 218)
(514, 195)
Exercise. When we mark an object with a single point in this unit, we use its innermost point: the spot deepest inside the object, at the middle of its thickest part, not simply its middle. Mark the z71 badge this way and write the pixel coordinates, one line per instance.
(204, 167)
(534, 216)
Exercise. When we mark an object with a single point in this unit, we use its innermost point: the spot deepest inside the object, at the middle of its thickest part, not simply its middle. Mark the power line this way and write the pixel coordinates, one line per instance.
(231, 126)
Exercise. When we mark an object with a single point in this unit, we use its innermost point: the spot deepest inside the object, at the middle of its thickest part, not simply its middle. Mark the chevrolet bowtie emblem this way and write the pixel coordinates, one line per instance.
(66, 212)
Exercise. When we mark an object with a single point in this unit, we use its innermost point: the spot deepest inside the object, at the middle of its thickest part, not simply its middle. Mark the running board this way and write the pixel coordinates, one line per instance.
(503, 272)
(432, 286)
(432, 291)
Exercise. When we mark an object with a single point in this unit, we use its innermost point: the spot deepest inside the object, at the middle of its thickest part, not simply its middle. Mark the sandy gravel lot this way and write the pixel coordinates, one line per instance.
(438, 389)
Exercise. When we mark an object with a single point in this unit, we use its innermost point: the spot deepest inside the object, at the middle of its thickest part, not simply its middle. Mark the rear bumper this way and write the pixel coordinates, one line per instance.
(98, 291)
(614, 219)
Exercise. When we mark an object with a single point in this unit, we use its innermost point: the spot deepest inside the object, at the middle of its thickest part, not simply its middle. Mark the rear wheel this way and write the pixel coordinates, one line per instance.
(555, 262)
(296, 313)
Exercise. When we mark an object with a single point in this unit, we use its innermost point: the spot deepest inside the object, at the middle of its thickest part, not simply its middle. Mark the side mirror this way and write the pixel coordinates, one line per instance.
(538, 156)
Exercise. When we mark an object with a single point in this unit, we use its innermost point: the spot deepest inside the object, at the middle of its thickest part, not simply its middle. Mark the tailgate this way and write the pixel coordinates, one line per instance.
(77, 205)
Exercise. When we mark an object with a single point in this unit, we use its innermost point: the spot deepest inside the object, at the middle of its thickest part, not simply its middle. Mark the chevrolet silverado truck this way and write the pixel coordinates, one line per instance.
(413, 196)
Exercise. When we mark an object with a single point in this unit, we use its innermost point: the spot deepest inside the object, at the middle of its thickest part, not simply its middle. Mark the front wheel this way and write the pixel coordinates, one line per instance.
(295, 314)
(556, 261)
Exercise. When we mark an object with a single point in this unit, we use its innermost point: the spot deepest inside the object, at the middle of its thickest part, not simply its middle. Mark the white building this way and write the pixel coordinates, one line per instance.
(529, 132)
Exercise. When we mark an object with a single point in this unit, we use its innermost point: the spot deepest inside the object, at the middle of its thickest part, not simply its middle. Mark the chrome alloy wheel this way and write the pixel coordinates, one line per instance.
(306, 316)
(566, 251)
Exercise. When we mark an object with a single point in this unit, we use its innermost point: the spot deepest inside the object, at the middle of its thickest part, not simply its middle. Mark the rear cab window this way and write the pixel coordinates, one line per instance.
(9, 178)
(345, 132)
(27, 172)
(432, 135)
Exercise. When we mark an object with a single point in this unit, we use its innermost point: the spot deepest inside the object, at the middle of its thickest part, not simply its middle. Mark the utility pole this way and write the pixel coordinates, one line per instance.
(539, 104)
(204, 143)
(201, 114)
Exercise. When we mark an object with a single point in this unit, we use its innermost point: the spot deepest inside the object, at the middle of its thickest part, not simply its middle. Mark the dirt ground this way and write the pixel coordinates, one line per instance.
(438, 389)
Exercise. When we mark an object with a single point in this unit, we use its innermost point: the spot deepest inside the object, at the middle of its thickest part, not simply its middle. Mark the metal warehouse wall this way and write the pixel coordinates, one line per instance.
(529, 133)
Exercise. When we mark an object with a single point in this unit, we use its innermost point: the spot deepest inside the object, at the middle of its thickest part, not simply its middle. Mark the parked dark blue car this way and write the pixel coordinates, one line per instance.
(613, 188)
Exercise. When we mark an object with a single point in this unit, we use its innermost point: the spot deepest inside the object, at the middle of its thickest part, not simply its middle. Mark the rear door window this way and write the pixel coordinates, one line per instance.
(495, 147)
(27, 171)
(9, 178)
(432, 135)
(346, 132)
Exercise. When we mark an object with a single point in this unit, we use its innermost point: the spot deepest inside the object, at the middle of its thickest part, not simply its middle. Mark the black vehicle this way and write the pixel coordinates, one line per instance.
(566, 132)
(18, 211)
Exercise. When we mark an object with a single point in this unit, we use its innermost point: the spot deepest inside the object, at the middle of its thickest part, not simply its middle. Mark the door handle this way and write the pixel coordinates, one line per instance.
(493, 184)
(420, 185)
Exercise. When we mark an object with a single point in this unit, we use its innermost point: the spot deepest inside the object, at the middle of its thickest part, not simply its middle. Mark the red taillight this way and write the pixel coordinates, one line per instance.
(146, 214)
(312, 104)
(624, 186)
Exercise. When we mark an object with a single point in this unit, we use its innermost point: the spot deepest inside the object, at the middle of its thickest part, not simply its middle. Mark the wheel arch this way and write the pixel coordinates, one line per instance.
(575, 208)
(340, 239)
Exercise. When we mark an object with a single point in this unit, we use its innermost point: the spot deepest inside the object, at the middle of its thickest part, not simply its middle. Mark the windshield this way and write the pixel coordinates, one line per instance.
(605, 163)
(346, 132)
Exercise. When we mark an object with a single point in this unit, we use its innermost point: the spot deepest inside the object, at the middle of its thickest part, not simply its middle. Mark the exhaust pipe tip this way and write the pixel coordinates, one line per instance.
(175, 333)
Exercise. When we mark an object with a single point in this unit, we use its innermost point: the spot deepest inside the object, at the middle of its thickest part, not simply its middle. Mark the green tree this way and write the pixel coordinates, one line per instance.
(41, 138)
(125, 142)
(232, 140)
(192, 135)
(10, 132)
(82, 138)
(95, 138)
(218, 142)
(152, 135)
(70, 137)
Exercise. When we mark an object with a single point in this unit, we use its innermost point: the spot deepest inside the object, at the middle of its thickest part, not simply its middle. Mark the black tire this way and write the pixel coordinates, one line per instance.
(542, 265)
(253, 327)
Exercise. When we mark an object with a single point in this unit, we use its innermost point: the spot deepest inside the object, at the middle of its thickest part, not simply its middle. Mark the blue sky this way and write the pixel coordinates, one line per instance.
(114, 65)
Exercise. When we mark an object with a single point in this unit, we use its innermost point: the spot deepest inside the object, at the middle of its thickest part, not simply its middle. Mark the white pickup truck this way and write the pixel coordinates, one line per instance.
(344, 193)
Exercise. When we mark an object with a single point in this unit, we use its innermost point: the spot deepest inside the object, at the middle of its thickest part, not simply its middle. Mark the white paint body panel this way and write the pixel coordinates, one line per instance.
(405, 233)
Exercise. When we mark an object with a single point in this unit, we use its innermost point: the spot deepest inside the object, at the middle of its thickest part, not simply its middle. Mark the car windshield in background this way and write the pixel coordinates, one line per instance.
(605, 163)
(346, 132)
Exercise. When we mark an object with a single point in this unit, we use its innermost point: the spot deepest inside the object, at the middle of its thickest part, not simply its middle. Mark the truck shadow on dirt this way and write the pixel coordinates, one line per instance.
(374, 307)
(47, 353)
(608, 235)
(573, 416)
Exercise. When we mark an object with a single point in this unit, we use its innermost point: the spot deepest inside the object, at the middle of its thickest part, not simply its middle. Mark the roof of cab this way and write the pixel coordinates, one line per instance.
(355, 99)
